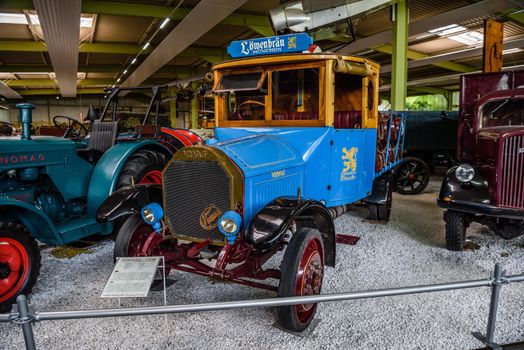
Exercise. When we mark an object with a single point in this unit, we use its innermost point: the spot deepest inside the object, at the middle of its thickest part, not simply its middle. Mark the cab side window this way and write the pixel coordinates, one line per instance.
(348, 101)
(296, 94)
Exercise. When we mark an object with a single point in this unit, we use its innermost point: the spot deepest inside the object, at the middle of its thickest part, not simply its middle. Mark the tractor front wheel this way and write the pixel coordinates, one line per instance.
(302, 270)
(20, 263)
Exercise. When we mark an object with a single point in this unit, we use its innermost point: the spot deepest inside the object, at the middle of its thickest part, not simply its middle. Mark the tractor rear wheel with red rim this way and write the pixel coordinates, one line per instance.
(20, 263)
(302, 270)
(132, 238)
(144, 166)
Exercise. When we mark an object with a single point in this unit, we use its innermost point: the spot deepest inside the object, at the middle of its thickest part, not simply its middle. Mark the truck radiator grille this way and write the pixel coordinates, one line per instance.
(511, 184)
(193, 190)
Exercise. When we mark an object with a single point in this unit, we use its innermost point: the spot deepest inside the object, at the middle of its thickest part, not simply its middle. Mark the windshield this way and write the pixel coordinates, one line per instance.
(240, 82)
(508, 112)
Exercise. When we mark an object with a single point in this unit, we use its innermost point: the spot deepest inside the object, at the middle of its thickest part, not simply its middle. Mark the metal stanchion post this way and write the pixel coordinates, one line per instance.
(25, 318)
(498, 281)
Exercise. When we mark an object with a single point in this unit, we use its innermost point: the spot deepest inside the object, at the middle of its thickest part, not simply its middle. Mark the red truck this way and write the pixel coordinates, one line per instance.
(488, 184)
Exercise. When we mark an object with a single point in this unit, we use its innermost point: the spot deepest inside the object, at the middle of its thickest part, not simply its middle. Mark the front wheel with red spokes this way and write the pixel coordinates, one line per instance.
(19, 265)
(302, 271)
(136, 238)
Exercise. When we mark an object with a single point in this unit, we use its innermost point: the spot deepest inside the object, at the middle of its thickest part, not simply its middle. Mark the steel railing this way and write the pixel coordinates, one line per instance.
(24, 315)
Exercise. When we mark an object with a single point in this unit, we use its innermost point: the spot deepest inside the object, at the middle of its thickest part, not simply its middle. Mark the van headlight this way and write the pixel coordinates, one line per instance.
(465, 173)
(229, 225)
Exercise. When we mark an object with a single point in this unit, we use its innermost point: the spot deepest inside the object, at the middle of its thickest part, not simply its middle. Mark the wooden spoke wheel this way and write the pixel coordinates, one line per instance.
(302, 270)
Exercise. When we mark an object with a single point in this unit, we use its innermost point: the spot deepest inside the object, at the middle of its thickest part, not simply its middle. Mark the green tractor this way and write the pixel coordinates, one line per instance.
(51, 187)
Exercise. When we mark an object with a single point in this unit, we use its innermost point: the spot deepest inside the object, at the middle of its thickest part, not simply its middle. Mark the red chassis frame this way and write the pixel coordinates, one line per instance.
(185, 257)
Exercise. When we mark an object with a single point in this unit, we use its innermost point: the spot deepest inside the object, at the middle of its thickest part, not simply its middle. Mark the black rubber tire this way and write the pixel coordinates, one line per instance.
(286, 316)
(123, 238)
(418, 167)
(455, 230)
(138, 165)
(381, 212)
(20, 234)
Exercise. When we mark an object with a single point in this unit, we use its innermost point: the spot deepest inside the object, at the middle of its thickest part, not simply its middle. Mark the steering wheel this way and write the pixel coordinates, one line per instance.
(249, 104)
(71, 128)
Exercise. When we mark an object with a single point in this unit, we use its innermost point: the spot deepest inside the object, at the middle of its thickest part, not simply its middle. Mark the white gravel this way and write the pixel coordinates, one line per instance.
(407, 251)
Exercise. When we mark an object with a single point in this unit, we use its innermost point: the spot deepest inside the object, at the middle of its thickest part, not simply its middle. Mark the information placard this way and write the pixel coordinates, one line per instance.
(131, 278)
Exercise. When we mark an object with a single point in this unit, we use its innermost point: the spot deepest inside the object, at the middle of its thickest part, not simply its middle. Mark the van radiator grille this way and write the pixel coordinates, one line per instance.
(511, 188)
(189, 188)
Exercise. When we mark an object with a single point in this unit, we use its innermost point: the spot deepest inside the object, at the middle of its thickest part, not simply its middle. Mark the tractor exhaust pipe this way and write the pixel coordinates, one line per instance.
(25, 118)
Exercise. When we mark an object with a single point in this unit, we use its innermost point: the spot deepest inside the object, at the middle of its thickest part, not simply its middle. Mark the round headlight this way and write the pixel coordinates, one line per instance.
(465, 173)
(228, 225)
(152, 214)
(148, 215)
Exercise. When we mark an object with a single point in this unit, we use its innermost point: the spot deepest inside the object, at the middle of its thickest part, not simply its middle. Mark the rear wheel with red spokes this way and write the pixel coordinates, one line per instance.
(19, 265)
(302, 271)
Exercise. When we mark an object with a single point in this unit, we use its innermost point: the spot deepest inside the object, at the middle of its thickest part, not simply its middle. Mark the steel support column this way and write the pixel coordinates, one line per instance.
(172, 106)
(194, 111)
(399, 57)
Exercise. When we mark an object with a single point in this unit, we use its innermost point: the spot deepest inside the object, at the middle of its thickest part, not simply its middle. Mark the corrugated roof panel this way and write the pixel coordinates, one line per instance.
(7, 92)
(60, 22)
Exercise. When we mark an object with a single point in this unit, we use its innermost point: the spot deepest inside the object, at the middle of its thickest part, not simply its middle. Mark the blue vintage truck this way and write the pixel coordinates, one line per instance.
(51, 187)
(298, 138)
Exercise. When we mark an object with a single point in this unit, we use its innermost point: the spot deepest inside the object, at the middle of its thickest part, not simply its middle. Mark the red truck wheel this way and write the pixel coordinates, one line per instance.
(131, 238)
(20, 262)
(302, 270)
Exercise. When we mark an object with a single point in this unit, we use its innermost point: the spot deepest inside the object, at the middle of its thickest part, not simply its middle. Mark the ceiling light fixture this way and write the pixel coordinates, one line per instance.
(164, 23)
(148, 43)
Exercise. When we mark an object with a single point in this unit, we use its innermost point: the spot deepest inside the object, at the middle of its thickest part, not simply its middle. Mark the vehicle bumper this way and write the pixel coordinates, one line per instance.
(482, 209)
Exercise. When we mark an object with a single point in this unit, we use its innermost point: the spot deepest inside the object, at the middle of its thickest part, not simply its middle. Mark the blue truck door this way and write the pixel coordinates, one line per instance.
(352, 165)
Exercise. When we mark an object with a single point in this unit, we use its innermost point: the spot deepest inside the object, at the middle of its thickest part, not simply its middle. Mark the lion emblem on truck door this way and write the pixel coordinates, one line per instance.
(349, 159)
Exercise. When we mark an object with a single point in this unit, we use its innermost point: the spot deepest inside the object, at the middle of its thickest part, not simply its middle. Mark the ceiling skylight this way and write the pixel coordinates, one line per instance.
(20, 18)
(457, 33)
(444, 31)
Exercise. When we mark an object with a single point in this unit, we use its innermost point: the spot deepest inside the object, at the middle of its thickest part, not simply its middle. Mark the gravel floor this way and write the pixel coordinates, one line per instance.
(407, 251)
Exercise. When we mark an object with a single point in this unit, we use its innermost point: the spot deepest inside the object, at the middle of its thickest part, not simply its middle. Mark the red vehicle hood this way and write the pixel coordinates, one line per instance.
(489, 140)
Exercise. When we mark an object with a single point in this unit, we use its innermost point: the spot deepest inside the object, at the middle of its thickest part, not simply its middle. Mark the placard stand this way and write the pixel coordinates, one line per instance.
(132, 277)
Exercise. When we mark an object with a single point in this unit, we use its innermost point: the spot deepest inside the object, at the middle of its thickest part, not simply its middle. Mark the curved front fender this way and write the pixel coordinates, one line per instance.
(39, 224)
(105, 175)
(271, 223)
(128, 200)
(476, 191)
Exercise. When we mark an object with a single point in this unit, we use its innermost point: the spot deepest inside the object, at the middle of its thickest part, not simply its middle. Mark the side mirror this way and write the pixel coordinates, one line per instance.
(443, 115)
